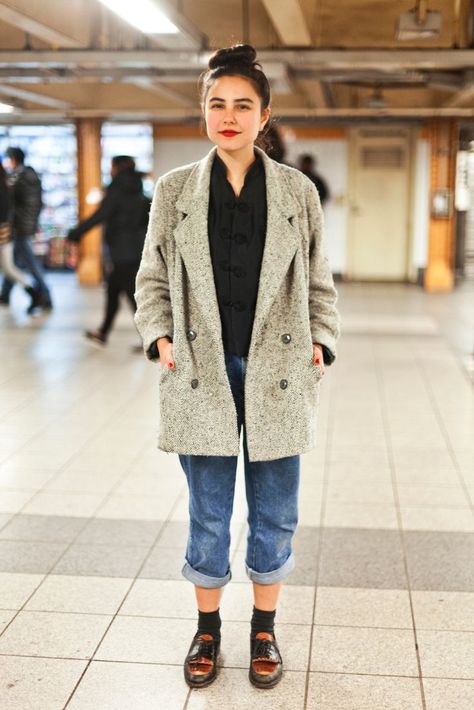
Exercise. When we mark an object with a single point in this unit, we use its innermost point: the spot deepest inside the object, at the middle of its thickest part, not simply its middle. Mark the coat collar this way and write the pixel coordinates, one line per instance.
(191, 236)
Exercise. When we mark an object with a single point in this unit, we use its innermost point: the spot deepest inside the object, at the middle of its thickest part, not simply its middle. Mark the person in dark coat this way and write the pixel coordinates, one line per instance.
(124, 212)
(6, 245)
(307, 165)
(26, 204)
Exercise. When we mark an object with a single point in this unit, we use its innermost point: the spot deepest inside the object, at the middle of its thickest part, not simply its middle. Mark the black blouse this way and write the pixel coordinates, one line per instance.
(237, 227)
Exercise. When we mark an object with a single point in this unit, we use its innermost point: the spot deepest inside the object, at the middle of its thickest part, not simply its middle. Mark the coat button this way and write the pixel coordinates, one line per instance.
(191, 335)
(283, 384)
(286, 338)
(194, 384)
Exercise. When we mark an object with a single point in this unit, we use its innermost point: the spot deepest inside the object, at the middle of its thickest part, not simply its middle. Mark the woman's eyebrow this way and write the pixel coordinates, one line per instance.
(217, 98)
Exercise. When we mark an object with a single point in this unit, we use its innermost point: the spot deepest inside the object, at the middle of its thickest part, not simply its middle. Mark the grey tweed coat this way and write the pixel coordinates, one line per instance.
(175, 294)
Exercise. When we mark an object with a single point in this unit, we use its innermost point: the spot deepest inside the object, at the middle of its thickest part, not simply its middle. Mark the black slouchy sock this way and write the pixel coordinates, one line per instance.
(209, 622)
(262, 621)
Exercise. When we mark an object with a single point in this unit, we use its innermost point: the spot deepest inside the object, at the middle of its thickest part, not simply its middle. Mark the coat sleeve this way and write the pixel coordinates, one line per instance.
(153, 317)
(324, 316)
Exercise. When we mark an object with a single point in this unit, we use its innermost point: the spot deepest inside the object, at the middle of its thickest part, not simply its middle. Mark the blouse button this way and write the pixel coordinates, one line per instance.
(238, 271)
(239, 306)
(286, 338)
(243, 207)
(230, 205)
(194, 384)
(283, 384)
(240, 238)
(225, 234)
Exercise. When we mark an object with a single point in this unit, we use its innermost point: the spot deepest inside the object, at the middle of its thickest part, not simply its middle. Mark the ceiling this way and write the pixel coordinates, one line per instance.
(325, 59)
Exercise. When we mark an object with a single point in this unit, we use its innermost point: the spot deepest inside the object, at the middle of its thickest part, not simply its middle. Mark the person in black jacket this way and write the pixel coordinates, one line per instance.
(124, 212)
(25, 187)
(6, 245)
(307, 165)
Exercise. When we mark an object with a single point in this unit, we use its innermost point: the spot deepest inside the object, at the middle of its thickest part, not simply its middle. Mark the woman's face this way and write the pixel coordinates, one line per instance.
(233, 114)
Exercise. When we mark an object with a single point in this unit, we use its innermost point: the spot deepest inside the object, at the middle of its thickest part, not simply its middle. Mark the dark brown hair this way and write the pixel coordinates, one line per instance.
(238, 60)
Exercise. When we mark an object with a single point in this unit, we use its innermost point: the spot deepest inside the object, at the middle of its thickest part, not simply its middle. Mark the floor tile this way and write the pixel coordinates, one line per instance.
(101, 560)
(163, 563)
(336, 691)
(354, 557)
(448, 694)
(16, 588)
(33, 683)
(130, 686)
(140, 640)
(44, 528)
(452, 611)
(339, 649)
(100, 531)
(161, 598)
(29, 557)
(86, 595)
(34, 633)
(58, 503)
(5, 617)
(437, 519)
(233, 683)
(363, 607)
(446, 654)
(440, 560)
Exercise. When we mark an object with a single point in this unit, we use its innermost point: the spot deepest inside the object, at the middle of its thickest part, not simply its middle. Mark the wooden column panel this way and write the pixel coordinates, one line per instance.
(439, 273)
(89, 178)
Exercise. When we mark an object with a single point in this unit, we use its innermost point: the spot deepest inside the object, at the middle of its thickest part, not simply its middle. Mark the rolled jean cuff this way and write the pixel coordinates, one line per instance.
(204, 580)
(275, 575)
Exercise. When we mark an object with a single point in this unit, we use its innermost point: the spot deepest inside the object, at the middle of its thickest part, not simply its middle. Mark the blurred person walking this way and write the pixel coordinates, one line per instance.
(26, 204)
(7, 263)
(307, 165)
(124, 211)
(236, 300)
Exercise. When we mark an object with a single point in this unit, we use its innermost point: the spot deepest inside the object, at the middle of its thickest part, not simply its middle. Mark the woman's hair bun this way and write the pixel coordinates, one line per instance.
(239, 54)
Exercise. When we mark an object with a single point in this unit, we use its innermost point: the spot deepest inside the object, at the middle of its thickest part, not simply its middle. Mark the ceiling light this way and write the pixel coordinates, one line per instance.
(376, 100)
(142, 14)
(413, 26)
(6, 108)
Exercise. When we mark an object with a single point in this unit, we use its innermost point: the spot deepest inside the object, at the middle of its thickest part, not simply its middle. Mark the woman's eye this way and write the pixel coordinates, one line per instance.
(243, 106)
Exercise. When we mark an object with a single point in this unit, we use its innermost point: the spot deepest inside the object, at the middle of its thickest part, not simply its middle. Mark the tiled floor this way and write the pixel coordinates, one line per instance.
(379, 613)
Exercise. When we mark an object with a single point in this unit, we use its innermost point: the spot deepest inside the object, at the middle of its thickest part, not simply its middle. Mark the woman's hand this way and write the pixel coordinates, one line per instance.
(318, 358)
(165, 349)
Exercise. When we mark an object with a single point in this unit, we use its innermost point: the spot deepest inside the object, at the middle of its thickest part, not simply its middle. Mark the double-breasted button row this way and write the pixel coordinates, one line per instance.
(238, 237)
(239, 306)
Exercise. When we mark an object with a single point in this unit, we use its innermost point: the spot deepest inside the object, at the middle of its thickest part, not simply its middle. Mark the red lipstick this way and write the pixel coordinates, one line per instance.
(229, 134)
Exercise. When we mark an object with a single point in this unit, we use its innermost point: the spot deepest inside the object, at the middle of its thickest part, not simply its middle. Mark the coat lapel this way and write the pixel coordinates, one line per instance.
(191, 235)
(192, 240)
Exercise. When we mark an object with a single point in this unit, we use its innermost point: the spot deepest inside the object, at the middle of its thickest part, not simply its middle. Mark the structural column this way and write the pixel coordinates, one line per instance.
(439, 273)
(89, 183)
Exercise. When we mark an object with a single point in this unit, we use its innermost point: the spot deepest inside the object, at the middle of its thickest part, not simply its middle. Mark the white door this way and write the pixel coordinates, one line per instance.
(379, 204)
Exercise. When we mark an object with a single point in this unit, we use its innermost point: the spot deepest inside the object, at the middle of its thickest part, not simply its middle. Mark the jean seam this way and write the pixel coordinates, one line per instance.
(257, 524)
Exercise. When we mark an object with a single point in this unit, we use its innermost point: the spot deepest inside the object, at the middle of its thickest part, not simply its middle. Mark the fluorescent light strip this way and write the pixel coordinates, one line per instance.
(6, 108)
(142, 14)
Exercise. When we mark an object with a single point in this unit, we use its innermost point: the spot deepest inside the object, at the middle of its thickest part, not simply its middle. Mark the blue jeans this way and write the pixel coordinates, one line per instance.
(272, 498)
(25, 258)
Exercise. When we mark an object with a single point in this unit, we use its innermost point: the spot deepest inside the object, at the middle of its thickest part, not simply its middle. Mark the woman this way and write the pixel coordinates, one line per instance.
(7, 263)
(236, 299)
(124, 210)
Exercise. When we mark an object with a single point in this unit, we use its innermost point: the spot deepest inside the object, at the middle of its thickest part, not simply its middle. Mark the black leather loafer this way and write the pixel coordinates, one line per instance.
(200, 665)
(266, 665)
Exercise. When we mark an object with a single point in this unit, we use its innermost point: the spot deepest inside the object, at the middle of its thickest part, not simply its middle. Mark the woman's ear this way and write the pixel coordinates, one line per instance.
(265, 118)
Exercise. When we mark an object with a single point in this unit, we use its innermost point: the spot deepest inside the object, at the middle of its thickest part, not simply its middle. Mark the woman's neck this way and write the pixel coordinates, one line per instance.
(237, 162)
